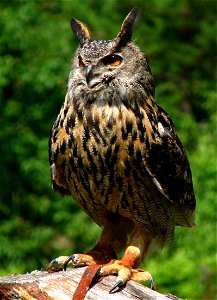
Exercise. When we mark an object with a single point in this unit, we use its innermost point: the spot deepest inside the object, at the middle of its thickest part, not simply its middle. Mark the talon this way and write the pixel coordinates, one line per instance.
(100, 272)
(118, 284)
(56, 264)
(54, 261)
(70, 258)
(152, 284)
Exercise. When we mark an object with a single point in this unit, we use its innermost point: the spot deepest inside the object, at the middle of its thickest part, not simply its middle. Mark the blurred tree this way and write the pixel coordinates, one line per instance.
(36, 46)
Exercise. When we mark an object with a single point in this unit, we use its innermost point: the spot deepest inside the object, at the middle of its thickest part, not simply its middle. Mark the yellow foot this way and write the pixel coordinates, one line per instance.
(125, 273)
(78, 260)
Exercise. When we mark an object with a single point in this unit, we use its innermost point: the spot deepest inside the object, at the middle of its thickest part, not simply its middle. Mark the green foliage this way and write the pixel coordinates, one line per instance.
(36, 47)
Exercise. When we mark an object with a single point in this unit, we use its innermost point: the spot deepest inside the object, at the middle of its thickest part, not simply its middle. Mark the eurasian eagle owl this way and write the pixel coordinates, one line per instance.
(115, 150)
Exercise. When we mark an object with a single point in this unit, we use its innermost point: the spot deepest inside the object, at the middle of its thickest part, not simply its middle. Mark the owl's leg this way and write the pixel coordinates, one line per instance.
(100, 254)
(126, 268)
(110, 242)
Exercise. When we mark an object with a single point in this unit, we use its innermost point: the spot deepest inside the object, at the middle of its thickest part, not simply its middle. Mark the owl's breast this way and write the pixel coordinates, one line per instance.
(96, 155)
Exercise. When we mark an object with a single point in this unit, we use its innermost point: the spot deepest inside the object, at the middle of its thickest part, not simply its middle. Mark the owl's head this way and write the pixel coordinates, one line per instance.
(111, 64)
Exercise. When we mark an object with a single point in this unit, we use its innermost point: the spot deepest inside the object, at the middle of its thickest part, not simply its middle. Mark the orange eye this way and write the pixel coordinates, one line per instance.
(112, 60)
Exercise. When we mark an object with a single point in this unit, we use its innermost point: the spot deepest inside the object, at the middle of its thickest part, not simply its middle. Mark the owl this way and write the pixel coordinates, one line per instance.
(116, 152)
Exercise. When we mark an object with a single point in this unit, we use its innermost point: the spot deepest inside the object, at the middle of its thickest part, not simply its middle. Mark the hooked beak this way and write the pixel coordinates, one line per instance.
(89, 73)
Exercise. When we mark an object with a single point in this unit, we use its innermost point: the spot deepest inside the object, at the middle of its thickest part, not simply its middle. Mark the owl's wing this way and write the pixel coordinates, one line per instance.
(57, 159)
(168, 165)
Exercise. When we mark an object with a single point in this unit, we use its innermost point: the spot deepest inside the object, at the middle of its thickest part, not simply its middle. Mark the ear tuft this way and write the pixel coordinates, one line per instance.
(81, 31)
(126, 31)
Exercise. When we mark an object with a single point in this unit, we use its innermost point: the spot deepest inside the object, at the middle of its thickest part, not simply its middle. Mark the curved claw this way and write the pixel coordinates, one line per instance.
(152, 284)
(56, 264)
(70, 258)
(118, 284)
(75, 261)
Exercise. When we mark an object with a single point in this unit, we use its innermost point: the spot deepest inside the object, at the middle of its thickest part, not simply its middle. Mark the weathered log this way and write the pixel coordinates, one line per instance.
(42, 285)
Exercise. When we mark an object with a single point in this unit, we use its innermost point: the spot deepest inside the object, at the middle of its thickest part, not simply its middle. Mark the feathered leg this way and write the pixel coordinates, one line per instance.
(112, 240)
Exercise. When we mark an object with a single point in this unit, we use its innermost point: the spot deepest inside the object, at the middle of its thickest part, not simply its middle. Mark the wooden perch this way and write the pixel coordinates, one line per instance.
(42, 285)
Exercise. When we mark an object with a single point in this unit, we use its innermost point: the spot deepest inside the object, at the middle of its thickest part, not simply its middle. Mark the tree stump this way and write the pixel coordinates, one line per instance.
(42, 285)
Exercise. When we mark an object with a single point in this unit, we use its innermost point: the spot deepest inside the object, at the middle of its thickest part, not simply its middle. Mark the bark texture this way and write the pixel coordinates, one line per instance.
(42, 285)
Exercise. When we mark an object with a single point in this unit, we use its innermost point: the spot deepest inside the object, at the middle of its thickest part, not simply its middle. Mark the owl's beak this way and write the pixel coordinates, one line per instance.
(89, 73)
